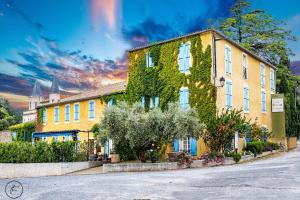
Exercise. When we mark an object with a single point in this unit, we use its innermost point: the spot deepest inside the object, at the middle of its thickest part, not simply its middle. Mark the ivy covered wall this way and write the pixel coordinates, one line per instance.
(165, 79)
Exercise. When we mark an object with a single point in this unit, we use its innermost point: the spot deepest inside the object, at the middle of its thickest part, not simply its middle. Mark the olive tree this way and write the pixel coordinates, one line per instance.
(145, 130)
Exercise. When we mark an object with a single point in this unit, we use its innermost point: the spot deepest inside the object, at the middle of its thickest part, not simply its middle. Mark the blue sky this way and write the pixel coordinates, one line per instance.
(83, 42)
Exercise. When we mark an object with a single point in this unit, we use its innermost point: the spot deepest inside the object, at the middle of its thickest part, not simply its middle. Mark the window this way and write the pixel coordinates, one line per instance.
(91, 110)
(156, 102)
(56, 114)
(262, 75)
(67, 113)
(184, 98)
(263, 101)
(228, 94)
(245, 66)
(44, 114)
(246, 99)
(110, 102)
(185, 145)
(228, 60)
(149, 62)
(76, 112)
(55, 138)
(184, 57)
(272, 80)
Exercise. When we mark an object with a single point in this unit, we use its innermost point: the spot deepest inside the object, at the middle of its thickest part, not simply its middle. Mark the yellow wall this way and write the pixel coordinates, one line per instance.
(253, 82)
(84, 123)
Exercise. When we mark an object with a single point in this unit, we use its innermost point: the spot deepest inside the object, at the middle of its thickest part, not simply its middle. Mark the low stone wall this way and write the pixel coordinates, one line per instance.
(291, 143)
(17, 170)
(5, 136)
(139, 167)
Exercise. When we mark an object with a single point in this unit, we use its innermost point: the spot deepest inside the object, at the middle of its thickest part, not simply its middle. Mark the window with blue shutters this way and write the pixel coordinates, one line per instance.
(149, 62)
(272, 80)
(44, 114)
(110, 102)
(55, 138)
(143, 101)
(67, 113)
(228, 94)
(91, 110)
(193, 146)
(228, 60)
(184, 57)
(56, 114)
(156, 102)
(262, 75)
(184, 98)
(176, 145)
(76, 112)
(263, 101)
(246, 99)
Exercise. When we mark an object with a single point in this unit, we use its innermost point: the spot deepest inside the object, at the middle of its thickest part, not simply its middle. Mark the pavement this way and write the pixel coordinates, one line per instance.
(273, 178)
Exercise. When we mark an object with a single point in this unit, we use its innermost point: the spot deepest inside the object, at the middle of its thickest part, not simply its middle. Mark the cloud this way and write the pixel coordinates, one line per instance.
(103, 11)
(150, 31)
(75, 71)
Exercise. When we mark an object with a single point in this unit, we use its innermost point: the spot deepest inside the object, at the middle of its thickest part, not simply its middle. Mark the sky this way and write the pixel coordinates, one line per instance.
(83, 43)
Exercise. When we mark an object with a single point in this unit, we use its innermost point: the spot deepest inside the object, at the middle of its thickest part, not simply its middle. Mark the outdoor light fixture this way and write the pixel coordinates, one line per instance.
(222, 81)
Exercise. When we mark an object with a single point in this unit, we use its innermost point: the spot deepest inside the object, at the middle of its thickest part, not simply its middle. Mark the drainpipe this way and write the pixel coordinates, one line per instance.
(214, 58)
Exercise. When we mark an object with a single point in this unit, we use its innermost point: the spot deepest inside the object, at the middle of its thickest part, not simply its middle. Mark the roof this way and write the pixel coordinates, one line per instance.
(36, 91)
(54, 86)
(200, 32)
(102, 91)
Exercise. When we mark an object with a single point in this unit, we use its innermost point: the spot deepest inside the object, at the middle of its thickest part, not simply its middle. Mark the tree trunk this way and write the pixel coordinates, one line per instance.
(142, 157)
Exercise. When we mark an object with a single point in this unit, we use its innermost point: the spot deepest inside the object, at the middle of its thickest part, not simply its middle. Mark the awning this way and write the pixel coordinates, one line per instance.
(55, 133)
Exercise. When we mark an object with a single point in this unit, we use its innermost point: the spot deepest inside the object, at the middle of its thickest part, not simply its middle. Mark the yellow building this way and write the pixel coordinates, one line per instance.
(72, 118)
(241, 79)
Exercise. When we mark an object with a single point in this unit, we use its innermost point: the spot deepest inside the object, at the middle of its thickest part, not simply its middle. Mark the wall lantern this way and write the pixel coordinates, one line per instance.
(222, 81)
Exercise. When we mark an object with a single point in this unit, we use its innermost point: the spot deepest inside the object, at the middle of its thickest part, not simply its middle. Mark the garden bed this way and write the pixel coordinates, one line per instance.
(139, 167)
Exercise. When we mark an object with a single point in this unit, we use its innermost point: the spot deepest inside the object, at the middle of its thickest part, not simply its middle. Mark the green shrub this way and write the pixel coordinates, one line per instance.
(270, 146)
(256, 147)
(41, 152)
(236, 156)
(152, 155)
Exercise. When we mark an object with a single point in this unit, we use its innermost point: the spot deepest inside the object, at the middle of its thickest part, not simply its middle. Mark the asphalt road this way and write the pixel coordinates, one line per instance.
(272, 178)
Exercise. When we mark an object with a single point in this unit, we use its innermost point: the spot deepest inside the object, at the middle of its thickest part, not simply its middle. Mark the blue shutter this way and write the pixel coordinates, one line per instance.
(248, 136)
(106, 150)
(150, 61)
(181, 58)
(143, 101)
(147, 59)
(176, 145)
(156, 102)
(187, 57)
(193, 144)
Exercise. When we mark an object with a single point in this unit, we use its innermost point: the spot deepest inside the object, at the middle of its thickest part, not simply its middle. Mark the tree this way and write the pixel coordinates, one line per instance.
(257, 31)
(8, 116)
(145, 130)
(221, 130)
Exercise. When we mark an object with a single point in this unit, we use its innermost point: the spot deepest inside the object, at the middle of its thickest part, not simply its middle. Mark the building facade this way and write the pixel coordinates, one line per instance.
(207, 71)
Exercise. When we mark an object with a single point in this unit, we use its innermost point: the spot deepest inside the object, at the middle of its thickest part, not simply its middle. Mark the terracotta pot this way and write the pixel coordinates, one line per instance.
(115, 158)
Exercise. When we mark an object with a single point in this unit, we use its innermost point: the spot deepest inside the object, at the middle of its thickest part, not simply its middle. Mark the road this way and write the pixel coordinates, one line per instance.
(272, 178)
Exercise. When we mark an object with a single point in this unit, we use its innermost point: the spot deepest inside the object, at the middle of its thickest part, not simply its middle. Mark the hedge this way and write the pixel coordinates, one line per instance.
(21, 129)
(42, 152)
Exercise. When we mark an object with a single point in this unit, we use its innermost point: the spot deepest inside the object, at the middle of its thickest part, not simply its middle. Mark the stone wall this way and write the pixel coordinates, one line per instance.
(5, 136)
(292, 143)
(139, 167)
(16, 170)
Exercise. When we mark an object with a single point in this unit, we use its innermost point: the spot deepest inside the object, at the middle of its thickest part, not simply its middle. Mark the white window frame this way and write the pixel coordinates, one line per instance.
(56, 107)
(182, 89)
(91, 119)
(245, 66)
(272, 82)
(185, 142)
(148, 57)
(68, 105)
(248, 100)
(229, 47)
(228, 80)
(44, 109)
(263, 75)
(78, 112)
(262, 110)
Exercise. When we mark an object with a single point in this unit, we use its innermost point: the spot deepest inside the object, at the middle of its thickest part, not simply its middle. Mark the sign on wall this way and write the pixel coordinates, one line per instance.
(277, 105)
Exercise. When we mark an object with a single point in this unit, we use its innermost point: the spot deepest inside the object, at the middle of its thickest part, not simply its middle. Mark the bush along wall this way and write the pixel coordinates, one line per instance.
(165, 80)
(41, 152)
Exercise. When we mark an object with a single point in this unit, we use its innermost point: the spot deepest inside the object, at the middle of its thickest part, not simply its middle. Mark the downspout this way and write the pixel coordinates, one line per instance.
(214, 58)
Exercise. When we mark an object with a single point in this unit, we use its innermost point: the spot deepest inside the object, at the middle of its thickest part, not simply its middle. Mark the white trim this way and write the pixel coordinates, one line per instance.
(263, 85)
(89, 110)
(57, 115)
(67, 122)
(78, 112)
(272, 71)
